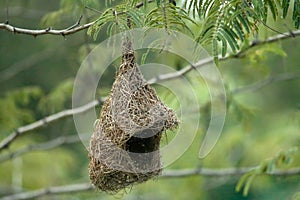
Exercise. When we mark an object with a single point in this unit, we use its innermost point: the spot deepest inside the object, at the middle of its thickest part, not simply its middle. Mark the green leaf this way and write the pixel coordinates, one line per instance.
(224, 46)
(168, 17)
(215, 51)
(248, 184)
(273, 8)
(230, 39)
(296, 13)
(242, 181)
(136, 18)
(158, 3)
(244, 21)
(238, 29)
(16, 108)
(285, 7)
(296, 196)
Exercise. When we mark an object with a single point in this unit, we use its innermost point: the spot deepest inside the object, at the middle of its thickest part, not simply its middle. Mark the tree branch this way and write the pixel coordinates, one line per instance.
(207, 61)
(271, 79)
(181, 173)
(45, 121)
(208, 172)
(164, 77)
(41, 146)
(50, 191)
(49, 31)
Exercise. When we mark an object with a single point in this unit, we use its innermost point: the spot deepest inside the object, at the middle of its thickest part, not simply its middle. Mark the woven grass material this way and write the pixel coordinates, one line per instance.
(124, 148)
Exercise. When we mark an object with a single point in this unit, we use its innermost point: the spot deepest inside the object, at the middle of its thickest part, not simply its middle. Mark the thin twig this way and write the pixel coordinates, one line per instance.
(275, 38)
(50, 191)
(45, 121)
(41, 146)
(93, 9)
(47, 31)
(76, 24)
(271, 79)
(7, 14)
(181, 173)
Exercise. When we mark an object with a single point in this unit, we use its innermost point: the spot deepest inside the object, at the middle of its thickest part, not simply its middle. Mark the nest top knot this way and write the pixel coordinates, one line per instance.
(127, 49)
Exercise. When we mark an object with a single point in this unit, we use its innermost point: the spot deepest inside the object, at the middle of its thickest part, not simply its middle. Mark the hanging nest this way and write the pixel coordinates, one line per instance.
(124, 148)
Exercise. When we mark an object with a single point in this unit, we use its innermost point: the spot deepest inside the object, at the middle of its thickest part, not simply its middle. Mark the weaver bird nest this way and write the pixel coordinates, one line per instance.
(124, 148)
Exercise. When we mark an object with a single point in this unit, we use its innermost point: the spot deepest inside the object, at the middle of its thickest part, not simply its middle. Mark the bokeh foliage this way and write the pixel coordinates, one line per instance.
(37, 76)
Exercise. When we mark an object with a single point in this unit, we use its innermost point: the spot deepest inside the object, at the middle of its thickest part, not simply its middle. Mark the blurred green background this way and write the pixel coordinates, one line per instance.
(36, 80)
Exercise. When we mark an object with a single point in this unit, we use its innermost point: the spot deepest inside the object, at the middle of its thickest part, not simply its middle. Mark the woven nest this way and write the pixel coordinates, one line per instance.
(124, 148)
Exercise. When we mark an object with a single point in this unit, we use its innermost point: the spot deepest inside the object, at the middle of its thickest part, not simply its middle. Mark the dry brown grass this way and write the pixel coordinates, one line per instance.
(124, 148)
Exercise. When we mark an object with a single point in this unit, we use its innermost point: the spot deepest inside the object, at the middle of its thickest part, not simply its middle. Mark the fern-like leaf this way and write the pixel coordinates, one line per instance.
(226, 25)
(169, 17)
(230, 23)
